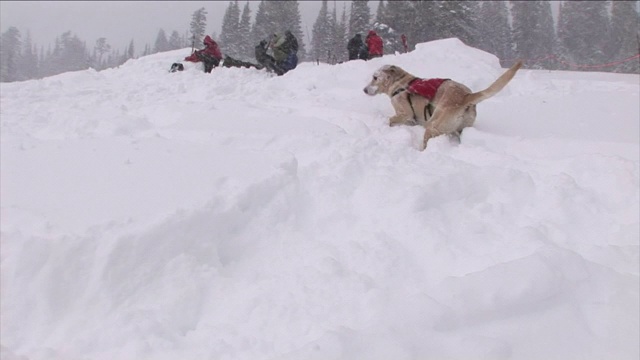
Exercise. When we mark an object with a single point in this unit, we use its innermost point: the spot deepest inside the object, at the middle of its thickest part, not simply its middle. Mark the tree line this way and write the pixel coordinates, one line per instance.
(588, 35)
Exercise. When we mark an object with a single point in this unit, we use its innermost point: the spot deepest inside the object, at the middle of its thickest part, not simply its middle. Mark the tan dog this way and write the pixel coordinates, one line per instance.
(451, 109)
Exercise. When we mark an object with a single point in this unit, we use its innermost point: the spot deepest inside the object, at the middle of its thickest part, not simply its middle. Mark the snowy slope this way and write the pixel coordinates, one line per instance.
(235, 215)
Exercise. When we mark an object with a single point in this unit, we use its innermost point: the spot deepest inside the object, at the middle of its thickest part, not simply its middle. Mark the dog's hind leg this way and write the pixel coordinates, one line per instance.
(444, 121)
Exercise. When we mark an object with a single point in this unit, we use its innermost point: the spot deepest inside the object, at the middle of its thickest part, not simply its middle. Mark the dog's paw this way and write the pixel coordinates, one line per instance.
(438, 143)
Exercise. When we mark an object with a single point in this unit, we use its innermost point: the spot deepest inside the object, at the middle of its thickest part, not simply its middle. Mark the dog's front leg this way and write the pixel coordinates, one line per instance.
(400, 119)
(402, 116)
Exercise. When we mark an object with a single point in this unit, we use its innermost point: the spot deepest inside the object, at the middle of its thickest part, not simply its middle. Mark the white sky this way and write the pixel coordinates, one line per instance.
(122, 21)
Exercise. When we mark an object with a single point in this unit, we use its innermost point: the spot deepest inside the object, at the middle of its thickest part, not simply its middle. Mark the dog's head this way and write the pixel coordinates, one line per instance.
(383, 79)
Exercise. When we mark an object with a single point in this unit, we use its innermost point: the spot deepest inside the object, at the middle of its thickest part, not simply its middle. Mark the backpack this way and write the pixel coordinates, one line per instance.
(176, 67)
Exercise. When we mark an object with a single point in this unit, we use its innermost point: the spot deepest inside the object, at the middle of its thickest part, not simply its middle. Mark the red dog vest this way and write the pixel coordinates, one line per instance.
(425, 87)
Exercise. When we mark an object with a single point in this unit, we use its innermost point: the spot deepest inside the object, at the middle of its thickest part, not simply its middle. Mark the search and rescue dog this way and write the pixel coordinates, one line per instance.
(442, 106)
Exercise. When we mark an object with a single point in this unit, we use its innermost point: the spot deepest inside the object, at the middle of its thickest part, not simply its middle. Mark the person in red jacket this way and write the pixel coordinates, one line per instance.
(403, 37)
(374, 43)
(210, 55)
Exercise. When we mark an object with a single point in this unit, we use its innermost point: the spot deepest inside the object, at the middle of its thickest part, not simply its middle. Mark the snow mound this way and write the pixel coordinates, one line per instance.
(236, 215)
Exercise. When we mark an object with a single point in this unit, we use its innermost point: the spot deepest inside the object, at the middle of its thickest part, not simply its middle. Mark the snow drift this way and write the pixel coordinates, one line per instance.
(235, 215)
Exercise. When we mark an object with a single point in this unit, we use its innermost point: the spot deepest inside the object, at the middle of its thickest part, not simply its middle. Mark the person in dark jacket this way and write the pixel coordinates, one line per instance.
(374, 44)
(357, 48)
(285, 51)
(265, 59)
(210, 55)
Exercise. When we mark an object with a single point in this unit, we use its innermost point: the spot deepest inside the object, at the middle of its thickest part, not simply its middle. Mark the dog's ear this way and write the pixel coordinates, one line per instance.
(391, 69)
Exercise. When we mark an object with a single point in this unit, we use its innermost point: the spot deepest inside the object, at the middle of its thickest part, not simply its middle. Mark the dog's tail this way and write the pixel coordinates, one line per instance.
(494, 88)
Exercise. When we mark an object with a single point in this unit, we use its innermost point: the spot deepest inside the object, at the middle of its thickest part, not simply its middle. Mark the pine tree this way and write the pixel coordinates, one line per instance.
(400, 14)
(533, 33)
(340, 35)
(70, 54)
(359, 18)
(198, 27)
(494, 25)
(130, 51)
(245, 45)
(456, 19)
(261, 29)
(625, 43)
(583, 27)
(381, 13)
(100, 49)
(29, 63)
(176, 41)
(229, 36)
(161, 44)
(321, 48)
(417, 21)
(10, 55)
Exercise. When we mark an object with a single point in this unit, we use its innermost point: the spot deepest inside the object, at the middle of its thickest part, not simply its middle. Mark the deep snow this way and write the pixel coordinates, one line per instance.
(235, 215)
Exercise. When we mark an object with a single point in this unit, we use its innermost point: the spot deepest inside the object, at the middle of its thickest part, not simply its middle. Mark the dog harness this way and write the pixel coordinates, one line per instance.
(426, 88)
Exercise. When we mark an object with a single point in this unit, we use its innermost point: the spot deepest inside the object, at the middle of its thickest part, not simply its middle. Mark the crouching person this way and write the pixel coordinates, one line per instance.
(210, 56)
(265, 59)
(285, 51)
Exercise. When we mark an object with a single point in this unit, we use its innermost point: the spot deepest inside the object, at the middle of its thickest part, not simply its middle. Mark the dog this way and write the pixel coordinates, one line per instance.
(442, 106)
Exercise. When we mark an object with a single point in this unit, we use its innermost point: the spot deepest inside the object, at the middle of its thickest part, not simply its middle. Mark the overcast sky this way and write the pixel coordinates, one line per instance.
(122, 21)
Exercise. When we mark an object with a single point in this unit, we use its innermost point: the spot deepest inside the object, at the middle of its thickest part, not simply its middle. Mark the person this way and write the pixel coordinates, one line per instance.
(357, 48)
(403, 37)
(265, 59)
(285, 51)
(374, 44)
(210, 55)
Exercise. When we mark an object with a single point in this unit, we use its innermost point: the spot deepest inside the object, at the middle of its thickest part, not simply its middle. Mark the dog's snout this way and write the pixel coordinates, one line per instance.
(365, 90)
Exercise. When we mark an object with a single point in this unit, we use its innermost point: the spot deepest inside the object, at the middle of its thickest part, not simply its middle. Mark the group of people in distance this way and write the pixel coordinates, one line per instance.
(284, 47)
(285, 52)
(370, 48)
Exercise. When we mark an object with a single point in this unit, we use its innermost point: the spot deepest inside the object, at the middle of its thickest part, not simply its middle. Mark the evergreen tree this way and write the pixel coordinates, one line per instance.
(359, 18)
(381, 13)
(176, 41)
(230, 36)
(10, 55)
(340, 35)
(321, 48)
(625, 43)
(198, 27)
(456, 19)
(70, 54)
(533, 33)
(130, 51)
(245, 45)
(400, 15)
(29, 62)
(161, 44)
(583, 27)
(100, 49)
(46, 68)
(262, 26)
(494, 25)
(418, 21)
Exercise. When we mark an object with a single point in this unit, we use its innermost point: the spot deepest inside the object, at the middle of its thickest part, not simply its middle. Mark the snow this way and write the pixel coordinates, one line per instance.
(236, 215)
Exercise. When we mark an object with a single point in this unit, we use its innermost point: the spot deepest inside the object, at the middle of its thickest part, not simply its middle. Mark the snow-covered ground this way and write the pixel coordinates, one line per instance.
(235, 215)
